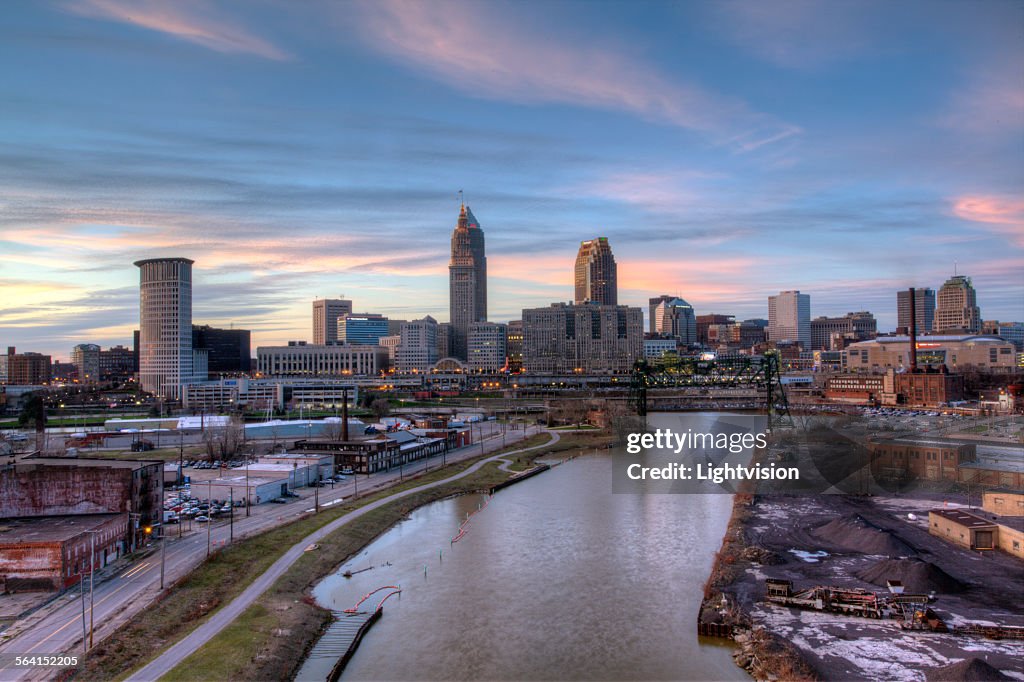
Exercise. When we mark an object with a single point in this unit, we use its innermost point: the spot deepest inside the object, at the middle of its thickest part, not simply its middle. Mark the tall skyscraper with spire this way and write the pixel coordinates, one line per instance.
(467, 281)
(596, 273)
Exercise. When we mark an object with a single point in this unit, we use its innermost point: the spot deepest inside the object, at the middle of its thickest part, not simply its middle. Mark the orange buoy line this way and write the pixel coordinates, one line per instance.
(386, 597)
(462, 527)
(355, 609)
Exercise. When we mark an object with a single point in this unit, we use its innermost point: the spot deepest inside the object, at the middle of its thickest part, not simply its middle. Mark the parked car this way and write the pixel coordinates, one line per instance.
(202, 519)
(279, 500)
(347, 471)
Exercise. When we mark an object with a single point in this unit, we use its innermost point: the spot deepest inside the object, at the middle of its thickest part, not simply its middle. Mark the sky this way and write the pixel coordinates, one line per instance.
(295, 150)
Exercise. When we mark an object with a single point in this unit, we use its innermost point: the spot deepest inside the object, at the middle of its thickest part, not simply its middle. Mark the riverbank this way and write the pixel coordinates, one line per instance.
(191, 601)
(262, 642)
(857, 542)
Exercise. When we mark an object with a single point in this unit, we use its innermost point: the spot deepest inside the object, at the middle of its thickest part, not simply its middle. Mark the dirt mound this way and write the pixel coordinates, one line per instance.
(856, 534)
(918, 576)
(968, 670)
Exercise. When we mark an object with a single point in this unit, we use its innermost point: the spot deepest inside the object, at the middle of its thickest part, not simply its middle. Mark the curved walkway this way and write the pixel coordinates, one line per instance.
(184, 648)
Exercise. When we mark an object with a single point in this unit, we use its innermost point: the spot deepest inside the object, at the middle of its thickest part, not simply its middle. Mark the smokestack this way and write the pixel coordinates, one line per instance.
(344, 415)
(913, 331)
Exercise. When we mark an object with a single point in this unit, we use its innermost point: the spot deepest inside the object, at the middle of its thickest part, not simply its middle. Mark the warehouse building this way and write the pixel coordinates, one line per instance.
(35, 486)
(54, 552)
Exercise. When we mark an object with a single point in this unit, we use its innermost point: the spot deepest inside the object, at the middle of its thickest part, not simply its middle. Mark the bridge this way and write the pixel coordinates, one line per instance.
(759, 373)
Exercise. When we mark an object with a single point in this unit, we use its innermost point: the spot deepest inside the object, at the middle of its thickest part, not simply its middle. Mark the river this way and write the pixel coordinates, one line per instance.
(555, 578)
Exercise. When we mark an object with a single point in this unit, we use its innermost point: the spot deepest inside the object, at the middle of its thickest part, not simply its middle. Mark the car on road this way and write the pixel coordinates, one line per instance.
(279, 500)
(347, 471)
(202, 519)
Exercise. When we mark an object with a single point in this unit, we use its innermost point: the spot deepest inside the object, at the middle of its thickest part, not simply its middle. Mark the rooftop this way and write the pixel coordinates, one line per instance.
(963, 518)
(50, 528)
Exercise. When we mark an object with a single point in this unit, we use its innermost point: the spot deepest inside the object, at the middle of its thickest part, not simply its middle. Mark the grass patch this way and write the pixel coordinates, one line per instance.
(186, 604)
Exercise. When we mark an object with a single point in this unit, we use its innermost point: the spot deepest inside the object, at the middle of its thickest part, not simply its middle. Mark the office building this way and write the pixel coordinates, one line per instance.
(25, 369)
(165, 325)
(390, 344)
(326, 312)
(924, 310)
(228, 350)
(417, 350)
(789, 318)
(582, 339)
(364, 328)
(674, 318)
(1008, 331)
(467, 281)
(652, 306)
(117, 363)
(310, 360)
(86, 359)
(514, 345)
(487, 346)
(834, 333)
(656, 348)
(956, 307)
(705, 321)
(596, 274)
(444, 340)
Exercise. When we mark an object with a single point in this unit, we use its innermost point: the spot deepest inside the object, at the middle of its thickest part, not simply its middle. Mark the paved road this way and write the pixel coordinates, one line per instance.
(57, 627)
(225, 616)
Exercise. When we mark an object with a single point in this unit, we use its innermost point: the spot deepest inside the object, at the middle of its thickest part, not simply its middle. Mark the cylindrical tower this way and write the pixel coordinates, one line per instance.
(165, 325)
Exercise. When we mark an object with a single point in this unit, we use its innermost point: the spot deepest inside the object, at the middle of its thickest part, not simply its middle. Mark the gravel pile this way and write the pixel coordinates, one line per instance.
(918, 576)
(854, 533)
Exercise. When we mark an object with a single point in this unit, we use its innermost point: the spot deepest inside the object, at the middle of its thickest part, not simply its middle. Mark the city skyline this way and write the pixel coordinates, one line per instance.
(295, 159)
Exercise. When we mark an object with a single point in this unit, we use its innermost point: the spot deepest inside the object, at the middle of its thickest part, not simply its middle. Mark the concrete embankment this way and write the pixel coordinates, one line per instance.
(519, 478)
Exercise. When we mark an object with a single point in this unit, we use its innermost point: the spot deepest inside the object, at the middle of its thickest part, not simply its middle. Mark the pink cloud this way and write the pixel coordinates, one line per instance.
(1001, 215)
(469, 47)
(189, 20)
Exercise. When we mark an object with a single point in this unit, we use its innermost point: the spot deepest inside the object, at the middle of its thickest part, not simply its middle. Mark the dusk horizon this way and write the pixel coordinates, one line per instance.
(847, 150)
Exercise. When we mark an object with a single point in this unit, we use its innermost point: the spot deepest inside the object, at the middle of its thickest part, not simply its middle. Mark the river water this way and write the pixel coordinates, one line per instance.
(555, 578)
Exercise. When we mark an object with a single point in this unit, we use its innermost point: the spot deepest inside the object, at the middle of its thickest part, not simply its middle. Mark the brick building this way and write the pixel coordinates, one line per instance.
(34, 486)
(53, 552)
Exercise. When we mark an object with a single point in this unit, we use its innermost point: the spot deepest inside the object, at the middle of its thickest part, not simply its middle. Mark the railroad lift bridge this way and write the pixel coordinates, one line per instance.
(760, 372)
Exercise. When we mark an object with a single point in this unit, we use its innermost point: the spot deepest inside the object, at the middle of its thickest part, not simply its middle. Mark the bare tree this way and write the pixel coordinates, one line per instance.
(380, 408)
(333, 431)
(224, 442)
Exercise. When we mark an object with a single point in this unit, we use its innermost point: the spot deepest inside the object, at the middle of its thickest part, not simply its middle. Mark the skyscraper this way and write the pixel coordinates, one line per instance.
(652, 307)
(956, 308)
(326, 312)
(675, 319)
(789, 318)
(924, 305)
(165, 325)
(467, 281)
(596, 277)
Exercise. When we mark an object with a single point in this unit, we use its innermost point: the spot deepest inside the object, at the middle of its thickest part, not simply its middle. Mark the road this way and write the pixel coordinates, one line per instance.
(57, 627)
(225, 616)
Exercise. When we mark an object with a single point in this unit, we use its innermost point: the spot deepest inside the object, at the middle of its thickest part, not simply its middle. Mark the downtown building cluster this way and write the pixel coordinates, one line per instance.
(593, 334)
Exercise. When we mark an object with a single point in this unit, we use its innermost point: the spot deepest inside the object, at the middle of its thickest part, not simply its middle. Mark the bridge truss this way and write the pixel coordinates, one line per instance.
(761, 372)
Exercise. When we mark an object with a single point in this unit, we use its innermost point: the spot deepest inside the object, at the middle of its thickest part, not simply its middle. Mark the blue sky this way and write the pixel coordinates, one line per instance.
(727, 149)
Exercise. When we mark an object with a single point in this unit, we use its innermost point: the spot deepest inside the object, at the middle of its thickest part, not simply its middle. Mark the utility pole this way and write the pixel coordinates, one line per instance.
(316, 490)
(231, 517)
(85, 638)
(209, 519)
(163, 551)
(92, 582)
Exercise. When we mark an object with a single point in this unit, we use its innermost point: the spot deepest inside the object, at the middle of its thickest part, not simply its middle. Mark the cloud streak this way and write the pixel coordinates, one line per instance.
(189, 20)
(469, 47)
